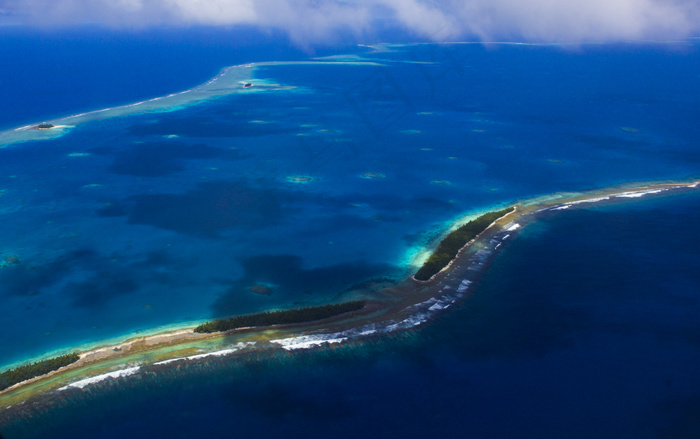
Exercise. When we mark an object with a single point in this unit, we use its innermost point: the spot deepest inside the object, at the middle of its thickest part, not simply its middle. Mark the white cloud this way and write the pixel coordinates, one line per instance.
(213, 12)
(318, 21)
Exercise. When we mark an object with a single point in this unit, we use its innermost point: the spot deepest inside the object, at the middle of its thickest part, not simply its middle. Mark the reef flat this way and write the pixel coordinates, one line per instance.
(402, 306)
(231, 80)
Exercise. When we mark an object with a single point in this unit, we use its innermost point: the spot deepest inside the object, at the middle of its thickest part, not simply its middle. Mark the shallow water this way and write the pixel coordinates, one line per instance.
(133, 222)
(129, 223)
(582, 325)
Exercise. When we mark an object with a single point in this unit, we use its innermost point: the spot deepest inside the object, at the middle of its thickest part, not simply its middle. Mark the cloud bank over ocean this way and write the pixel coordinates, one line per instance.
(322, 21)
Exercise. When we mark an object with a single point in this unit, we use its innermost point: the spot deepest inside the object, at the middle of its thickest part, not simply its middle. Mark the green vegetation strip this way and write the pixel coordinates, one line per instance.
(301, 315)
(450, 246)
(23, 373)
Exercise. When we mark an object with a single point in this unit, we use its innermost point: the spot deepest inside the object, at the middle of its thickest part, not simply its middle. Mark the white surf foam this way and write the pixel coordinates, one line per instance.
(637, 194)
(408, 322)
(464, 286)
(235, 348)
(307, 341)
(588, 200)
(96, 379)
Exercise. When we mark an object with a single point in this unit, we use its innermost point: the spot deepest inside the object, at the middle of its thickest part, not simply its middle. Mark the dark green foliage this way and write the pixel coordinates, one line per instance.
(23, 373)
(280, 317)
(450, 246)
(45, 126)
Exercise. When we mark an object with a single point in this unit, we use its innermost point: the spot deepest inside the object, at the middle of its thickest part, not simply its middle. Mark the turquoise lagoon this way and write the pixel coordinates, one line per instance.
(139, 218)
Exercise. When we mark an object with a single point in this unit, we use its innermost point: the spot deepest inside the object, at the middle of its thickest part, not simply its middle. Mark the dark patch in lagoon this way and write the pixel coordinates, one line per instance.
(106, 280)
(101, 288)
(110, 210)
(31, 279)
(88, 278)
(205, 211)
(198, 126)
(261, 289)
(286, 272)
(163, 158)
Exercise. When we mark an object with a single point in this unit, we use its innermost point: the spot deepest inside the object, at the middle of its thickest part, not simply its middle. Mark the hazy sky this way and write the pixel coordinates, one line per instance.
(319, 21)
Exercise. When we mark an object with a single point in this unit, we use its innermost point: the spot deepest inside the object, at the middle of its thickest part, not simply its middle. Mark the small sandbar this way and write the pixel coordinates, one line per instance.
(300, 179)
(441, 182)
(79, 154)
(373, 175)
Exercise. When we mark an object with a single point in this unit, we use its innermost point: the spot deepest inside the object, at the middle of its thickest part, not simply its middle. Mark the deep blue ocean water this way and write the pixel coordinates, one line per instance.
(584, 323)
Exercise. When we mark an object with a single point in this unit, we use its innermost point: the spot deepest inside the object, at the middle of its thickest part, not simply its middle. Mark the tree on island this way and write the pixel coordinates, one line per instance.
(453, 243)
(13, 376)
(301, 315)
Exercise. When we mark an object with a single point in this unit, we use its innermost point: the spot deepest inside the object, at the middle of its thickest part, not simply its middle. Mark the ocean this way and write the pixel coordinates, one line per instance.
(330, 174)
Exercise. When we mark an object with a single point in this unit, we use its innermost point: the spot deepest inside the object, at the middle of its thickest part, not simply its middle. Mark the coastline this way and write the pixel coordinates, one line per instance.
(404, 305)
(230, 80)
(465, 246)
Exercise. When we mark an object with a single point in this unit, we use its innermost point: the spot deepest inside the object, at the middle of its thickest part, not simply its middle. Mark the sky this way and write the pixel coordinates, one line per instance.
(323, 22)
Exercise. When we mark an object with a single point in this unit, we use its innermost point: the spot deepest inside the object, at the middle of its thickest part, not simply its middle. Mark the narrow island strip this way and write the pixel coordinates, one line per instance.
(393, 309)
(452, 244)
(23, 373)
(30, 372)
(291, 316)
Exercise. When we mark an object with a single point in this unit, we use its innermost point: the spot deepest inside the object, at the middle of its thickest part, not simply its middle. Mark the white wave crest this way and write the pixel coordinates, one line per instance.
(588, 200)
(408, 322)
(96, 379)
(221, 353)
(638, 194)
(464, 286)
(307, 341)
